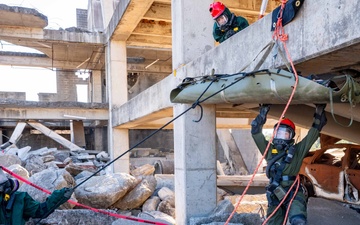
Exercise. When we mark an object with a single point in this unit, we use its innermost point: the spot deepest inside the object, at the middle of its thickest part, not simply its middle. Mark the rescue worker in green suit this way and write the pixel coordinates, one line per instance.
(18, 207)
(226, 23)
(284, 159)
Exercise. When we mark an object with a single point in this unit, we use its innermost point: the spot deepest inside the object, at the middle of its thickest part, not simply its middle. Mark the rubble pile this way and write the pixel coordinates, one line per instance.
(138, 194)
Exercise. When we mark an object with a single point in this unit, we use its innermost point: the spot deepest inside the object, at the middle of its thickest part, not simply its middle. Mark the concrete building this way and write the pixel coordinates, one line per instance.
(136, 52)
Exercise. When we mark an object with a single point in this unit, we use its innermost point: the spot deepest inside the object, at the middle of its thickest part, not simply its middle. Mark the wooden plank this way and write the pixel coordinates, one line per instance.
(260, 180)
(226, 181)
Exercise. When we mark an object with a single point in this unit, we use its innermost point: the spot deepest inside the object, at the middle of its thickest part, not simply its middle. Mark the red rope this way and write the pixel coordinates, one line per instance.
(279, 34)
(293, 197)
(81, 205)
(282, 201)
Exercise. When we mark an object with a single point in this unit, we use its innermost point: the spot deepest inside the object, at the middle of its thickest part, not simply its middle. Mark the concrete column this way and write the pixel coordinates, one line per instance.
(100, 136)
(95, 17)
(77, 133)
(195, 155)
(107, 10)
(116, 73)
(195, 163)
(96, 92)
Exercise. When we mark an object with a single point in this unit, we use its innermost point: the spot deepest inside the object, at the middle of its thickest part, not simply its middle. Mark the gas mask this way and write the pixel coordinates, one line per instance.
(283, 137)
(221, 20)
(7, 186)
(224, 22)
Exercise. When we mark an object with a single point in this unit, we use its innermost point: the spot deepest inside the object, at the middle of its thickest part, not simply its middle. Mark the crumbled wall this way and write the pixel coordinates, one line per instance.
(13, 95)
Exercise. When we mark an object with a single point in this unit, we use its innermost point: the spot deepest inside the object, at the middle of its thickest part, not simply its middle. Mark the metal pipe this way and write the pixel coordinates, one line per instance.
(263, 8)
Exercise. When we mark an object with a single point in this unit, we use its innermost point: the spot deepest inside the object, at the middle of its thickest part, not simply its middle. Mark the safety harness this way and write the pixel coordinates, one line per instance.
(274, 171)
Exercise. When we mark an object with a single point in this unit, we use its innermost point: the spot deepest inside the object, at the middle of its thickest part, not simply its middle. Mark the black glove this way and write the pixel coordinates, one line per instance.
(320, 108)
(68, 192)
(319, 117)
(58, 197)
(260, 120)
(229, 33)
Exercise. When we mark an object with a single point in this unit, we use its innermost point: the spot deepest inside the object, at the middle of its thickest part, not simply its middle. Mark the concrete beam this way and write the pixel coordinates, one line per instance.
(153, 28)
(144, 122)
(125, 18)
(56, 137)
(159, 12)
(65, 49)
(153, 100)
(53, 36)
(15, 136)
(156, 68)
(149, 41)
(29, 17)
(45, 62)
(333, 128)
(27, 110)
(253, 5)
(52, 114)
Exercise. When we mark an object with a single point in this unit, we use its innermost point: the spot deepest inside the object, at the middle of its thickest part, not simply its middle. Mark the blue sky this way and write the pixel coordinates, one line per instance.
(60, 13)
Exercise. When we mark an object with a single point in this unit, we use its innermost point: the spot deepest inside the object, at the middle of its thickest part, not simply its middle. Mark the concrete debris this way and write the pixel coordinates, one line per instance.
(76, 216)
(244, 219)
(137, 196)
(250, 203)
(146, 169)
(151, 204)
(157, 216)
(76, 29)
(140, 194)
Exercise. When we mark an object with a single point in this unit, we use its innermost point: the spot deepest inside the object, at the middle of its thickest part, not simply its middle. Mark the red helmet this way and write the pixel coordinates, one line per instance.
(286, 121)
(286, 125)
(216, 9)
(284, 134)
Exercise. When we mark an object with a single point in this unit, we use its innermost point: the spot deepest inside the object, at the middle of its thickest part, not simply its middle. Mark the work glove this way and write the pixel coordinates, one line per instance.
(229, 33)
(260, 120)
(320, 119)
(59, 197)
(68, 192)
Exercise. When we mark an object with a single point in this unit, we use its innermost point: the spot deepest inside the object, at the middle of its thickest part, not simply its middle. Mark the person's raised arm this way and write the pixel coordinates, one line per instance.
(260, 120)
(319, 117)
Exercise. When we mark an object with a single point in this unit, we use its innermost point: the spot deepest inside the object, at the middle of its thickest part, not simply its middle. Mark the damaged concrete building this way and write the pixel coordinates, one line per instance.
(135, 52)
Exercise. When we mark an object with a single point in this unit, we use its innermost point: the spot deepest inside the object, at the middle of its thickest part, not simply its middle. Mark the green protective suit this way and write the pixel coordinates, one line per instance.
(299, 204)
(21, 207)
(237, 24)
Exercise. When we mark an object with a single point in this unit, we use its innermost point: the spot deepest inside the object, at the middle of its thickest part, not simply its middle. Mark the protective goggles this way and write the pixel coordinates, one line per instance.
(284, 133)
(221, 20)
